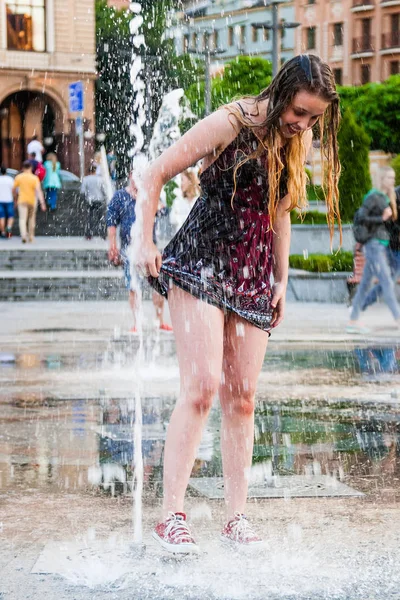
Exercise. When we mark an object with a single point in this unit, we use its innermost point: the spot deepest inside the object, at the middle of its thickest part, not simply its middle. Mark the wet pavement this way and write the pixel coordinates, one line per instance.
(325, 409)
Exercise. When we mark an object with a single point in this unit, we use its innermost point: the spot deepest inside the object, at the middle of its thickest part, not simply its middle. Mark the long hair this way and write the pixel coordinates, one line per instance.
(302, 73)
(194, 188)
(391, 194)
(53, 158)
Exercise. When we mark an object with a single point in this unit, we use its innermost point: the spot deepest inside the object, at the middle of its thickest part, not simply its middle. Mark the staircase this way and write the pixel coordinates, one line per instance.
(58, 269)
(68, 220)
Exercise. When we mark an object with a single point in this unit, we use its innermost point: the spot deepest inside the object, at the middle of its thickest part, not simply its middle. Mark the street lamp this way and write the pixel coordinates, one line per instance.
(275, 27)
(207, 53)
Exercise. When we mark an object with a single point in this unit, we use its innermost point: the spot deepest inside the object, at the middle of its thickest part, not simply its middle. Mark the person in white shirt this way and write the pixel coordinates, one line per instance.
(6, 203)
(184, 203)
(36, 147)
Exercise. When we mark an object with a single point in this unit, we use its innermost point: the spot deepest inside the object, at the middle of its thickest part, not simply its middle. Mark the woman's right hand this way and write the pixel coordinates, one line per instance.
(148, 260)
(387, 213)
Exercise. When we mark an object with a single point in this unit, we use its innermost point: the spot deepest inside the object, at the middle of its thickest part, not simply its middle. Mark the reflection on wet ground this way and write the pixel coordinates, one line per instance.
(78, 444)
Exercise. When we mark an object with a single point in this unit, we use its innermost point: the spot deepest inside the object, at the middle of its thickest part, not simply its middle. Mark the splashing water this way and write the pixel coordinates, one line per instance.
(137, 132)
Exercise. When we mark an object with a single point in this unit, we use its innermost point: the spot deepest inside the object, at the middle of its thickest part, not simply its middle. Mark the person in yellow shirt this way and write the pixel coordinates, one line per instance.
(27, 191)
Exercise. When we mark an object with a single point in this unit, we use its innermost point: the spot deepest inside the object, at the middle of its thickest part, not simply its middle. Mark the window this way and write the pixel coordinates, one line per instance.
(395, 22)
(242, 36)
(395, 67)
(338, 74)
(194, 41)
(365, 74)
(215, 39)
(26, 28)
(254, 34)
(311, 35)
(265, 34)
(338, 34)
(231, 36)
(186, 42)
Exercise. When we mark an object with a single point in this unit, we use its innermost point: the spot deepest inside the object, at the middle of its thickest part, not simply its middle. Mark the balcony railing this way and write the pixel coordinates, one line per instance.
(365, 43)
(363, 3)
(391, 40)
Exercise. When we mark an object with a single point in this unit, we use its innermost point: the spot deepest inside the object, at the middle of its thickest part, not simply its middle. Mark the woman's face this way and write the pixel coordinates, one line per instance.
(388, 180)
(302, 114)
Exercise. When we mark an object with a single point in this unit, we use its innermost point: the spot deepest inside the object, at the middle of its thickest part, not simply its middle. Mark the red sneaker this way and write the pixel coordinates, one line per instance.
(165, 327)
(174, 535)
(238, 531)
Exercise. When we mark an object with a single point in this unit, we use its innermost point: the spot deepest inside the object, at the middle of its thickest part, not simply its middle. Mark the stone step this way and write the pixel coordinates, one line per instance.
(62, 285)
(49, 260)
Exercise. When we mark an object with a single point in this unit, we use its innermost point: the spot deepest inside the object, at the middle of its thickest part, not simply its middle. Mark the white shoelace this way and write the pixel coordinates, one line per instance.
(177, 528)
(241, 528)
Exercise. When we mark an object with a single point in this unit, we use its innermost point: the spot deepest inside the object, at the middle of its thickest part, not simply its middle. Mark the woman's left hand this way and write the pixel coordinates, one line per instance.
(278, 303)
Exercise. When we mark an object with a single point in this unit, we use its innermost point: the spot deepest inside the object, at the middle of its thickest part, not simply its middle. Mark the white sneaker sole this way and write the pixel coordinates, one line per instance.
(175, 548)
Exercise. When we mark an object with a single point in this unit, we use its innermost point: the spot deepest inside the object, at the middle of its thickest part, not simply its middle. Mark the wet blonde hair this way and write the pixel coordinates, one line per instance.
(194, 189)
(52, 157)
(391, 194)
(302, 73)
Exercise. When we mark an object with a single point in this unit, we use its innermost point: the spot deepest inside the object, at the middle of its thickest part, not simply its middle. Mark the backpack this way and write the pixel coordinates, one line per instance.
(40, 172)
(362, 233)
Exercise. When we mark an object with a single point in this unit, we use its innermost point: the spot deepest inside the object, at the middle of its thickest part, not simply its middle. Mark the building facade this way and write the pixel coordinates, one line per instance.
(360, 39)
(234, 27)
(45, 45)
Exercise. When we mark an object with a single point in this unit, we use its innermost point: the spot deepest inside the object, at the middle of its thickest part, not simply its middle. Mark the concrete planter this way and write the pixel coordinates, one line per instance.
(314, 239)
(305, 286)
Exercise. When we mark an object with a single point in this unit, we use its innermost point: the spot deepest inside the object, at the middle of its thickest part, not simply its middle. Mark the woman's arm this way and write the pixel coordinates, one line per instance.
(204, 141)
(280, 268)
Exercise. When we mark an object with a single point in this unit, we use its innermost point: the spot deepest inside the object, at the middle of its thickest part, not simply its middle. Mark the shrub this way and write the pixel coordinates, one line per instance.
(355, 180)
(395, 164)
(312, 217)
(323, 263)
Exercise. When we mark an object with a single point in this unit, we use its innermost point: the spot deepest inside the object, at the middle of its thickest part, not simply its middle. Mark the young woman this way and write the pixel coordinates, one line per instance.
(380, 207)
(217, 270)
(52, 181)
(183, 205)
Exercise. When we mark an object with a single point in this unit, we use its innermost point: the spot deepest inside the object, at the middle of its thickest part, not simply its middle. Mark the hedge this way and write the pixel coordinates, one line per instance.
(323, 263)
(312, 217)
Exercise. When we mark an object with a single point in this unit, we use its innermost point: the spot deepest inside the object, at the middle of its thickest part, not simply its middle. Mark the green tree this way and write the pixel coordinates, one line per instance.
(242, 76)
(395, 164)
(114, 97)
(376, 108)
(163, 71)
(355, 180)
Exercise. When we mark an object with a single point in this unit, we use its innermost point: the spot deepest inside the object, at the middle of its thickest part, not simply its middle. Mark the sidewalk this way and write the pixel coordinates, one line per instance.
(305, 323)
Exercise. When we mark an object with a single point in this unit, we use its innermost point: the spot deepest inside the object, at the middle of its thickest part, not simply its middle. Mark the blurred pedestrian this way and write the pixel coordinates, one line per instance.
(33, 161)
(6, 203)
(27, 192)
(121, 213)
(112, 164)
(378, 209)
(393, 226)
(184, 202)
(36, 147)
(94, 196)
(52, 181)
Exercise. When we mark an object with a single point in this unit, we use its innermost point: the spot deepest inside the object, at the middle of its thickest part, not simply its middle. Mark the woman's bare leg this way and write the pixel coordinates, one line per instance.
(244, 351)
(199, 329)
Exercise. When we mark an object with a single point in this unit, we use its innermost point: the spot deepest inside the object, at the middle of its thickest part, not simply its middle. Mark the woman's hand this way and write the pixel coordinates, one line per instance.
(113, 255)
(148, 260)
(278, 303)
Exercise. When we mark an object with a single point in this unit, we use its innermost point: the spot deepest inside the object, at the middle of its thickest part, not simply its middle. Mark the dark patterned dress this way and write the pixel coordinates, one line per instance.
(223, 254)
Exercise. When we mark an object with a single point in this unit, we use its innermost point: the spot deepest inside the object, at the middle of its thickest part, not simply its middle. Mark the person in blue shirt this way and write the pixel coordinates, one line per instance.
(121, 212)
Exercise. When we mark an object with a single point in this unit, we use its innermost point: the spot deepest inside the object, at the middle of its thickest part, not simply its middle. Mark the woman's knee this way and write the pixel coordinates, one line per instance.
(200, 393)
(238, 399)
